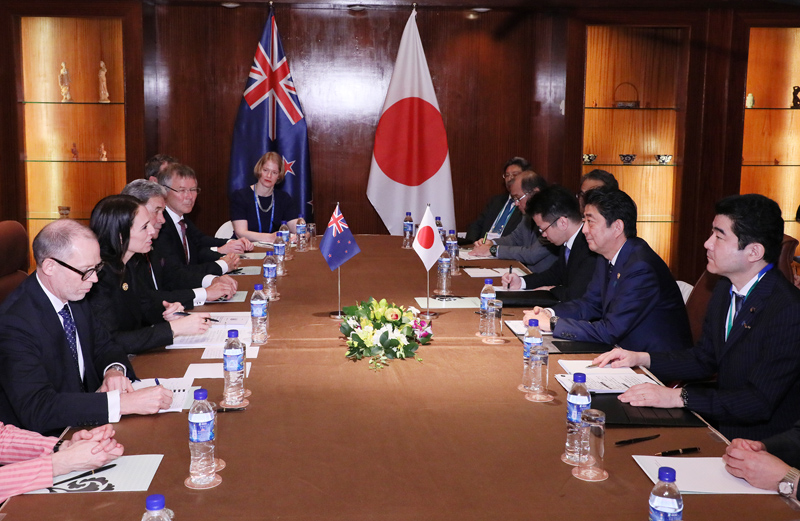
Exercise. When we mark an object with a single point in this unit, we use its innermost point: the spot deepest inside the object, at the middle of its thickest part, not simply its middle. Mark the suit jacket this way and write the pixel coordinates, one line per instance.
(481, 226)
(40, 386)
(640, 307)
(524, 245)
(570, 278)
(126, 310)
(175, 281)
(786, 445)
(168, 244)
(757, 392)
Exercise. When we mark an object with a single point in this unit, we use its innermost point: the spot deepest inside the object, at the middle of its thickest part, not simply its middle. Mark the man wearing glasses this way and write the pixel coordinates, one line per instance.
(180, 240)
(500, 217)
(58, 366)
(523, 244)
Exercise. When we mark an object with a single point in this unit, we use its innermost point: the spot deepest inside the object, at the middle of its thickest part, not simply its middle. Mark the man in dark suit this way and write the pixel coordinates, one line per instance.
(632, 299)
(180, 240)
(556, 213)
(58, 366)
(751, 333)
(501, 216)
(171, 281)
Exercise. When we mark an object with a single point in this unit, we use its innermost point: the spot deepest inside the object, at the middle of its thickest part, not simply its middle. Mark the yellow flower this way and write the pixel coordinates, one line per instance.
(393, 314)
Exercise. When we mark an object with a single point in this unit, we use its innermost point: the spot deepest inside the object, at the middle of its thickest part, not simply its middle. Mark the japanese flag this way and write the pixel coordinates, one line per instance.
(428, 243)
(410, 160)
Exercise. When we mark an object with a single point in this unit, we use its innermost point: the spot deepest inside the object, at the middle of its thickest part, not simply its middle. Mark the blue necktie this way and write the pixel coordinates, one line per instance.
(566, 254)
(502, 219)
(70, 330)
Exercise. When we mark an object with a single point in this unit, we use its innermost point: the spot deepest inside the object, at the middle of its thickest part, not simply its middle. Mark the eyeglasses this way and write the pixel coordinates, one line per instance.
(520, 198)
(510, 175)
(84, 274)
(184, 191)
(541, 232)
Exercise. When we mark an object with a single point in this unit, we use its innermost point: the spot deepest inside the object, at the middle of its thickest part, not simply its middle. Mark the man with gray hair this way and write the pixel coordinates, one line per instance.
(167, 280)
(58, 366)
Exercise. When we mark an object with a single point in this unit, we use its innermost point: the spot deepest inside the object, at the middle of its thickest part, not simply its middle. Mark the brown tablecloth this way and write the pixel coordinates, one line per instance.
(450, 437)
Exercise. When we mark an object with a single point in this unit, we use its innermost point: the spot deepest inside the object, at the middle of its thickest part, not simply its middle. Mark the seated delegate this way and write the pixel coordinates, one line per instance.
(125, 232)
(257, 210)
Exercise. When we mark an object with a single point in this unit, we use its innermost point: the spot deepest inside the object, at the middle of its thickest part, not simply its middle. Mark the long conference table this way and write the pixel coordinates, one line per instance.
(324, 437)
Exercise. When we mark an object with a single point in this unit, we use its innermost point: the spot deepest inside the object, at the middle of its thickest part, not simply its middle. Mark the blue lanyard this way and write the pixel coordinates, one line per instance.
(258, 210)
(731, 307)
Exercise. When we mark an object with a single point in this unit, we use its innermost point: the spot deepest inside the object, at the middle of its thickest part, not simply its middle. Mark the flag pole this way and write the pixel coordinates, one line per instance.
(429, 315)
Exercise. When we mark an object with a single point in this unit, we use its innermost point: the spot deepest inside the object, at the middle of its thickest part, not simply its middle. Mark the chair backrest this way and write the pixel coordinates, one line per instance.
(14, 260)
(697, 302)
(225, 231)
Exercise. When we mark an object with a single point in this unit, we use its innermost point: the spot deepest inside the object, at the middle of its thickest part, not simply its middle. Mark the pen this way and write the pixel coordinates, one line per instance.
(181, 313)
(484, 237)
(593, 366)
(157, 382)
(631, 441)
(85, 474)
(230, 409)
(677, 452)
(508, 284)
(209, 319)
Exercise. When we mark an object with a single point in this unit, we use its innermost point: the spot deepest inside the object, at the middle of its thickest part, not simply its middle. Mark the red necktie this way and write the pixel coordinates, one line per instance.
(185, 244)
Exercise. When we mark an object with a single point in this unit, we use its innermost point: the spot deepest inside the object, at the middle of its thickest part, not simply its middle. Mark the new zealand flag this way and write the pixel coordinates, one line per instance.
(338, 245)
(271, 118)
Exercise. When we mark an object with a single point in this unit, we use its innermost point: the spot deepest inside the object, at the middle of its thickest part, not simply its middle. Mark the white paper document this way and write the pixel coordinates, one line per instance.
(129, 474)
(196, 371)
(235, 320)
(181, 388)
(246, 270)
(488, 273)
(699, 475)
(606, 383)
(451, 303)
(212, 337)
(211, 353)
(258, 255)
(518, 327)
(240, 296)
(582, 366)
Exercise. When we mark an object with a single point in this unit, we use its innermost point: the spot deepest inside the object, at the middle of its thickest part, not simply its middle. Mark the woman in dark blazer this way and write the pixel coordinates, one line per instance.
(124, 230)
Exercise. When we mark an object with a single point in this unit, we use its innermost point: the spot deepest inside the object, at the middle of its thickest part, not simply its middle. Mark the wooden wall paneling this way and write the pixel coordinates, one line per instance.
(774, 66)
(609, 133)
(342, 62)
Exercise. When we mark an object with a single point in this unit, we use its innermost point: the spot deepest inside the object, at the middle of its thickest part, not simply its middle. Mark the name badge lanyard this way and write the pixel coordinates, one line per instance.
(258, 211)
(732, 307)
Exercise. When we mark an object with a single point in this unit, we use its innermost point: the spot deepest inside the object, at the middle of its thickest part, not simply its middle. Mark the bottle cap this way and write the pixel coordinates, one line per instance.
(408, 214)
(258, 287)
(535, 322)
(438, 218)
(487, 281)
(531, 321)
(200, 394)
(452, 232)
(233, 333)
(666, 474)
(283, 222)
(579, 378)
(155, 502)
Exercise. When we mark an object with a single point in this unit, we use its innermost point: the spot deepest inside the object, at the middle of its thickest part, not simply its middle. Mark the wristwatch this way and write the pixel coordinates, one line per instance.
(553, 322)
(685, 397)
(787, 484)
(493, 251)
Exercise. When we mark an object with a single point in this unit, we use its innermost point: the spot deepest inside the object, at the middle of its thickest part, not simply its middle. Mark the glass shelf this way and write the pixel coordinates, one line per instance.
(771, 108)
(631, 164)
(768, 165)
(631, 109)
(70, 103)
(72, 161)
(670, 221)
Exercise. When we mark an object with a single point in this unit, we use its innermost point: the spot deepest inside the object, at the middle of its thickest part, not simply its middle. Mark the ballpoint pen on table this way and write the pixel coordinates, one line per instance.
(677, 452)
(85, 475)
(185, 314)
(631, 441)
(508, 284)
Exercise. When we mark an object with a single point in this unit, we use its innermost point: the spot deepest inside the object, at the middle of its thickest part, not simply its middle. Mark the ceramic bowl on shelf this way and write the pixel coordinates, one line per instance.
(664, 159)
(627, 158)
(588, 159)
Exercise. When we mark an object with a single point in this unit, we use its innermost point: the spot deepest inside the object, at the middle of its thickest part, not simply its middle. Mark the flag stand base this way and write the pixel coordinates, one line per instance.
(428, 315)
(337, 315)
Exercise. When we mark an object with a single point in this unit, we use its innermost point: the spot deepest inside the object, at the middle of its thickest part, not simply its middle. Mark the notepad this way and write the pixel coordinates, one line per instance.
(129, 474)
(246, 270)
(601, 379)
(518, 327)
(211, 353)
(198, 371)
(699, 475)
(182, 391)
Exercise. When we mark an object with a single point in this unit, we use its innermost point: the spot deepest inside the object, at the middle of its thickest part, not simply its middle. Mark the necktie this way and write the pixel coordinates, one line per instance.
(502, 217)
(69, 330)
(182, 223)
(566, 254)
(738, 299)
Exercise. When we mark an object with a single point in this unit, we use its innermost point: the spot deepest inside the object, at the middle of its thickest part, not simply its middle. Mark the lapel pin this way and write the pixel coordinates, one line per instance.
(618, 276)
(124, 286)
(744, 324)
(753, 309)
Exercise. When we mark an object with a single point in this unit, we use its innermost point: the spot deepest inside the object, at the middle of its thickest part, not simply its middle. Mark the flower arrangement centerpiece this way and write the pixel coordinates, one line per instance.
(383, 332)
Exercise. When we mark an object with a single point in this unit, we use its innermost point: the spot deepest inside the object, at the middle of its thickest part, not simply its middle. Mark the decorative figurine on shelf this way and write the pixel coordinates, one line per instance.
(103, 152)
(796, 97)
(777, 162)
(63, 82)
(750, 102)
(101, 76)
(74, 151)
(63, 212)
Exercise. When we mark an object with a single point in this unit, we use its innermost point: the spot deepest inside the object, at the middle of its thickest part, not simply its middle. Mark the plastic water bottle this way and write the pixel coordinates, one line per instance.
(279, 249)
(440, 227)
(487, 294)
(302, 238)
(270, 271)
(408, 231)
(233, 365)
(156, 511)
(452, 249)
(201, 439)
(578, 400)
(666, 503)
(443, 275)
(539, 357)
(527, 345)
(284, 234)
(259, 317)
